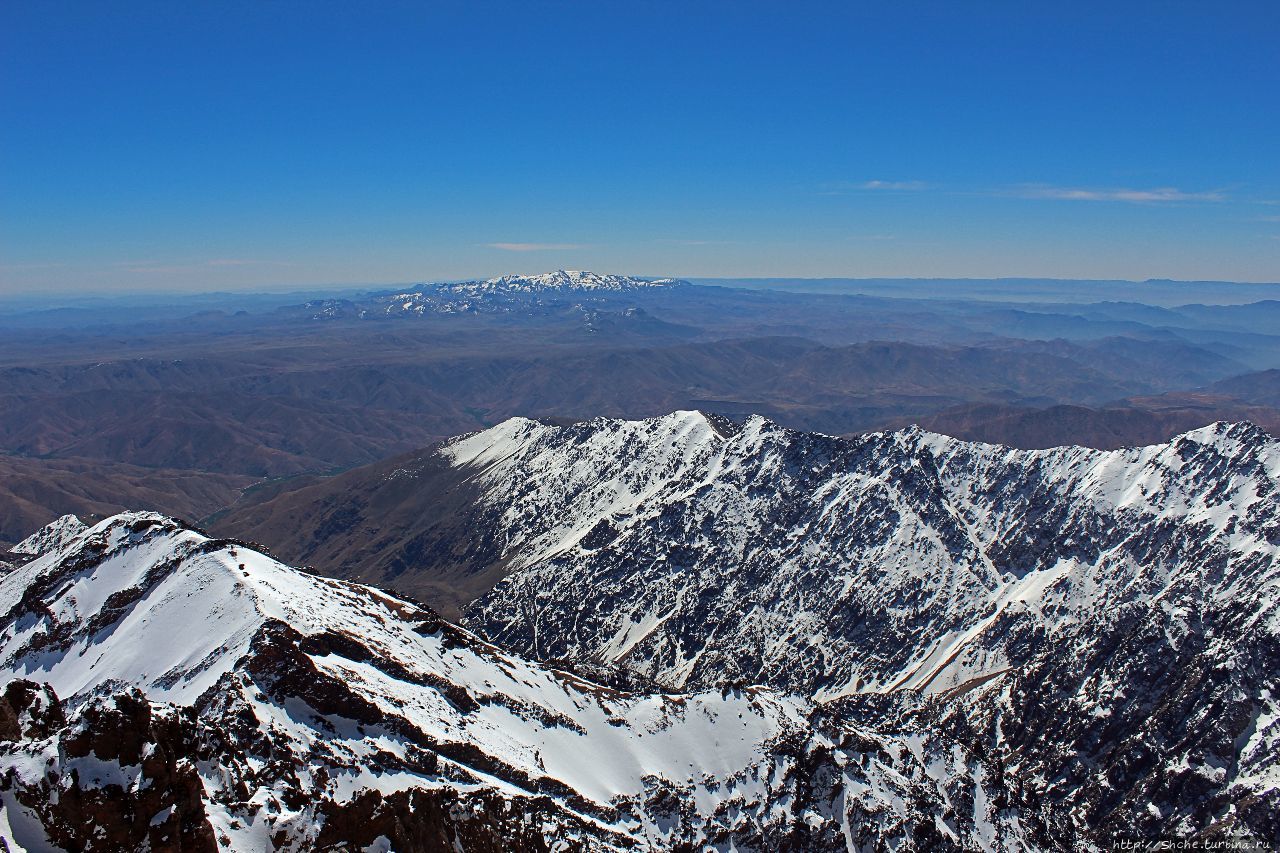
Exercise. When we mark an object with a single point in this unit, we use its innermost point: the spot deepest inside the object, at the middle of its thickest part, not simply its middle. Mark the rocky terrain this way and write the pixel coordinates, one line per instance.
(169, 691)
(1147, 419)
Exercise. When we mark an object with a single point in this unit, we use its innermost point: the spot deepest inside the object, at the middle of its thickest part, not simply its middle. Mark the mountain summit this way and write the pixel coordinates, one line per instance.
(562, 280)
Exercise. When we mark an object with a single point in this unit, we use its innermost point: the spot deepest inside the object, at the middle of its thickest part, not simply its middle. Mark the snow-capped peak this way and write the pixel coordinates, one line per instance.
(51, 536)
(563, 280)
(563, 289)
(1228, 437)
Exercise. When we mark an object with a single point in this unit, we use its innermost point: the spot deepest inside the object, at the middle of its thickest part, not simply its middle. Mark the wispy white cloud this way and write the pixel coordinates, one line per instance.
(532, 247)
(846, 187)
(893, 185)
(1158, 195)
(1130, 195)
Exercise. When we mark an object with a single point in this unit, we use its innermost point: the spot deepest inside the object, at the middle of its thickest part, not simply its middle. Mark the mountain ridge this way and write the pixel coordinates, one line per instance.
(234, 703)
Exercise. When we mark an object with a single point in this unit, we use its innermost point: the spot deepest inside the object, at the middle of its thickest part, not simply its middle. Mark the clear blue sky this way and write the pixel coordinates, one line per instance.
(266, 144)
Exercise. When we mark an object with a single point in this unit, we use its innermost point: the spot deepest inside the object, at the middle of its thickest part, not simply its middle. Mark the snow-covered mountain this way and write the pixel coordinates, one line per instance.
(51, 536)
(510, 293)
(537, 295)
(171, 691)
(561, 280)
(710, 552)
(900, 641)
(1113, 613)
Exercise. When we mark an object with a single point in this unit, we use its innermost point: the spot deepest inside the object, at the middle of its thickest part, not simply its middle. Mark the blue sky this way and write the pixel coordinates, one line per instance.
(194, 146)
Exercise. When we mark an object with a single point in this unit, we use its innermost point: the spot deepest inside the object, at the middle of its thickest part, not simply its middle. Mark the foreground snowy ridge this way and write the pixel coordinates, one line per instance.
(235, 703)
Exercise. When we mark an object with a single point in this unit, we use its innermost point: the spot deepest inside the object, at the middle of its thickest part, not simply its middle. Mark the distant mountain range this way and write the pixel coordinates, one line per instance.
(561, 280)
(1135, 421)
(506, 294)
(80, 309)
(1061, 291)
(142, 406)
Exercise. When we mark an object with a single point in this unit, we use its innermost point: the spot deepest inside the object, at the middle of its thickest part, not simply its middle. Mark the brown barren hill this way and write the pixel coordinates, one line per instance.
(34, 492)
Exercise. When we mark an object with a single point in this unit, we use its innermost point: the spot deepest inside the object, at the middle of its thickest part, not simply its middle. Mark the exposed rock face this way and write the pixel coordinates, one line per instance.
(698, 555)
(120, 777)
(124, 776)
(29, 711)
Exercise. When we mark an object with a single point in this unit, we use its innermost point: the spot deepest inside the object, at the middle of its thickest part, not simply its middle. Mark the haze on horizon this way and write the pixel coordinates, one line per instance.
(152, 147)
